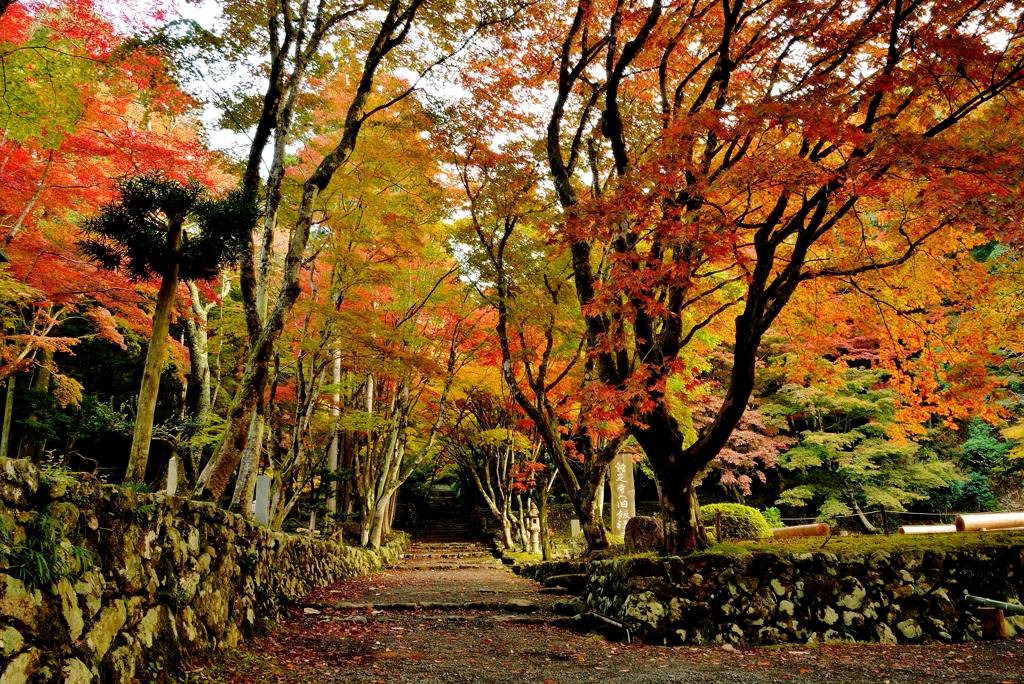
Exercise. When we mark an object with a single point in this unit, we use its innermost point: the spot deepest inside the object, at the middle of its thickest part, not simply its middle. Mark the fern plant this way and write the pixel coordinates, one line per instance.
(46, 556)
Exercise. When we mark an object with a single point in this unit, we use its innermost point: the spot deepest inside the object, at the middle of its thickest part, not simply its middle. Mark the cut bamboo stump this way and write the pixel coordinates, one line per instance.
(927, 529)
(977, 522)
(818, 530)
(993, 626)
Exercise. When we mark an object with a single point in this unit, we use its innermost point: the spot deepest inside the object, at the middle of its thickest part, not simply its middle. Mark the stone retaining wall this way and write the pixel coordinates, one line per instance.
(168, 578)
(910, 596)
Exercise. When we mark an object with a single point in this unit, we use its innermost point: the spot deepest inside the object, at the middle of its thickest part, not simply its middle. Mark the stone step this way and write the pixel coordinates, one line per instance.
(447, 566)
(501, 618)
(574, 584)
(512, 605)
(448, 553)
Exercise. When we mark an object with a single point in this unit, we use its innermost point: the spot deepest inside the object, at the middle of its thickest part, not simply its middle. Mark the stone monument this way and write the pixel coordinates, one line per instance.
(623, 493)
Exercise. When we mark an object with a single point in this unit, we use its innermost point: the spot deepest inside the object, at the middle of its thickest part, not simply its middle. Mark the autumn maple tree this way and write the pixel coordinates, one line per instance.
(82, 108)
(710, 158)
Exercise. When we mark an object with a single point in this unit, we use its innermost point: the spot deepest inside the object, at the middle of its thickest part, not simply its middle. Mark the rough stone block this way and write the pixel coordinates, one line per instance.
(643, 534)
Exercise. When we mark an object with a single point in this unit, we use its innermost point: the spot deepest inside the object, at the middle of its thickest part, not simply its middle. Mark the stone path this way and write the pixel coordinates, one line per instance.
(445, 569)
(451, 613)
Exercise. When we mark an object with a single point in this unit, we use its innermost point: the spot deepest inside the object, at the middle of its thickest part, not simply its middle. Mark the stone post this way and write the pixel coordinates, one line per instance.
(262, 512)
(172, 477)
(623, 493)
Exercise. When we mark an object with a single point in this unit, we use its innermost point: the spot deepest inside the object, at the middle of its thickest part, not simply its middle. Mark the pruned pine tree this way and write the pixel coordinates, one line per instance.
(158, 228)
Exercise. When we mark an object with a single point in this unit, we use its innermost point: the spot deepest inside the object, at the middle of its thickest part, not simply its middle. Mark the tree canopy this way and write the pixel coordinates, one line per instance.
(770, 250)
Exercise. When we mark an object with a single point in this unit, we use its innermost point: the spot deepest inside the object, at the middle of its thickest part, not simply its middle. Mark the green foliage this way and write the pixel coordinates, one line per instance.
(45, 556)
(130, 233)
(43, 80)
(972, 494)
(738, 521)
(866, 544)
(773, 516)
(982, 449)
(845, 454)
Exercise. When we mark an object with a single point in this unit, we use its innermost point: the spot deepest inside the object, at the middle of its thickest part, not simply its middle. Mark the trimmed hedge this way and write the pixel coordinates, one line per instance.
(738, 521)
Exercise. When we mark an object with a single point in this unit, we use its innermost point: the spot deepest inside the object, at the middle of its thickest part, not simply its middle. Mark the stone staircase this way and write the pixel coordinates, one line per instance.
(424, 555)
(445, 540)
(446, 573)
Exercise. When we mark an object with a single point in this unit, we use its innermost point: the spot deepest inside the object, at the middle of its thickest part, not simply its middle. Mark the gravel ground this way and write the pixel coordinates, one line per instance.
(325, 645)
(418, 586)
(478, 648)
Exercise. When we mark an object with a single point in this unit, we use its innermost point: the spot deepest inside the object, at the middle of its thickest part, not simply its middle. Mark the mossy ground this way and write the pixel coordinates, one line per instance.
(961, 541)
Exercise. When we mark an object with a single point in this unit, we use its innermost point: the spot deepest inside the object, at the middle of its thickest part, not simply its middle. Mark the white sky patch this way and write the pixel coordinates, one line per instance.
(212, 88)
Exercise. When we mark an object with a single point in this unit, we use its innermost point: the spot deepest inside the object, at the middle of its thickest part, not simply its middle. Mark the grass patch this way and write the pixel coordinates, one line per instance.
(960, 541)
(229, 665)
(522, 556)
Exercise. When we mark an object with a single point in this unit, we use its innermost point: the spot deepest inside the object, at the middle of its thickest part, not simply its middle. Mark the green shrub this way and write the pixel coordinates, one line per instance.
(46, 556)
(773, 516)
(738, 521)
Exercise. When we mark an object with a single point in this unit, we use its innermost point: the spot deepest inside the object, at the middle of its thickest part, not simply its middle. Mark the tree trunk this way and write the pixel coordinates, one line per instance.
(218, 472)
(245, 484)
(860, 516)
(380, 513)
(506, 533)
(348, 447)
(332, 450)
(545, 537)
(32, 446)
(389, 521)
(684, 531)
(5, 436)
(146, 406)
(393, 30)
(198, 397)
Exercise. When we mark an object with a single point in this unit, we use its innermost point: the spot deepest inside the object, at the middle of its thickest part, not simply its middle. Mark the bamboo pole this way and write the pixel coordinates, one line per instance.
(976, 522)
(816, 530)
(927, 529)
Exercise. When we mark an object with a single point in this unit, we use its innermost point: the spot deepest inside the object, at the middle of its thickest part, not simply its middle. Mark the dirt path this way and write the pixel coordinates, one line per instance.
(451, 613)
(491, 648)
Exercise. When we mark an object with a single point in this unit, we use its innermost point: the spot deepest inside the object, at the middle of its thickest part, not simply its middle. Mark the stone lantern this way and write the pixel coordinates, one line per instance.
(534, 526)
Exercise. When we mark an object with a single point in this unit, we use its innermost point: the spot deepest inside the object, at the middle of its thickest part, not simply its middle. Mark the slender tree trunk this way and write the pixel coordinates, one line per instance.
(524, 531)
(492, 506)
(5, 436)
(542, 506)
(199, 396)
(380, 513)
(389, 521)
(32, 446)
(393, 29)
(860, 516)
(155, 354)
(218, 472)
(245, 484)
(335, 417)
(32, 201)
(348, 447)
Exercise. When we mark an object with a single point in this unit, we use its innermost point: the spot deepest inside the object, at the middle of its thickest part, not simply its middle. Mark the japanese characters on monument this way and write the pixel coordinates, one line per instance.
(623, 493)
